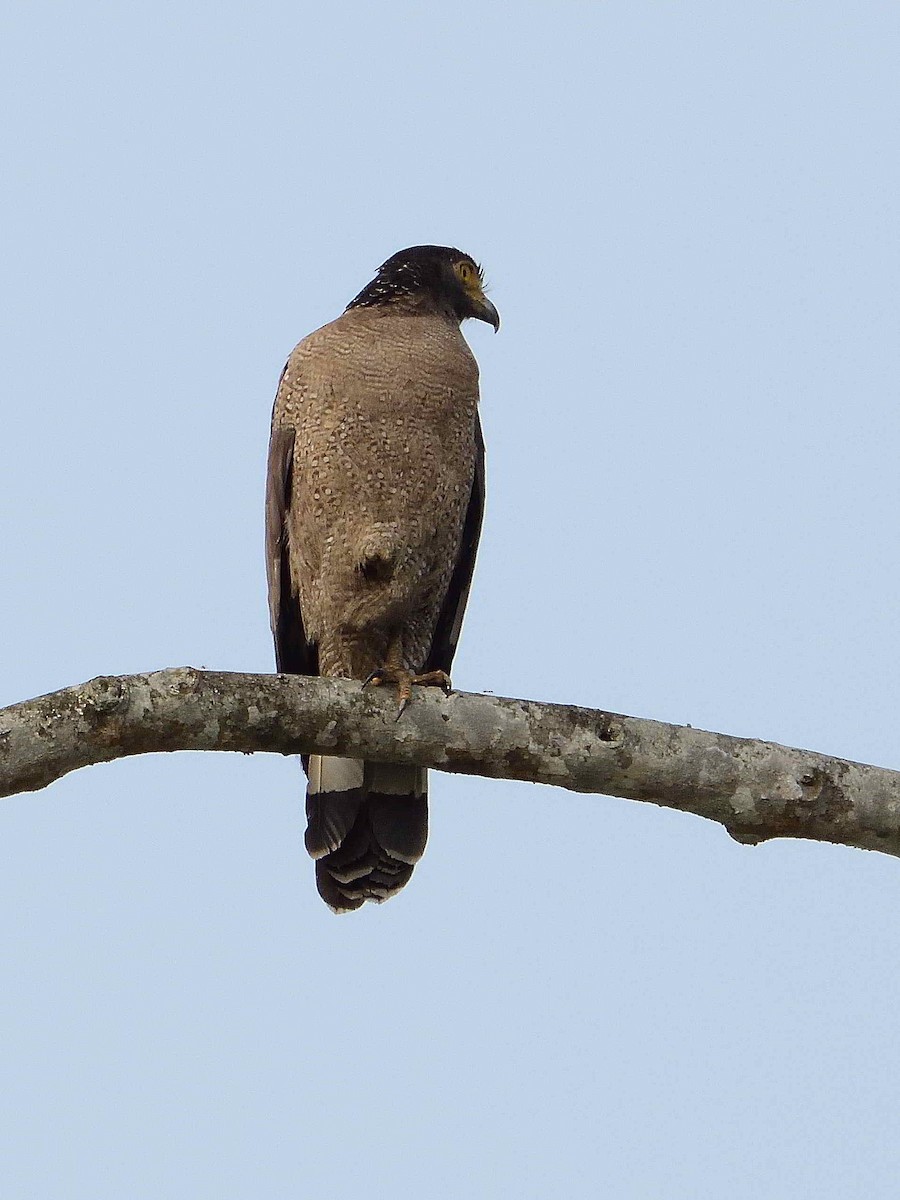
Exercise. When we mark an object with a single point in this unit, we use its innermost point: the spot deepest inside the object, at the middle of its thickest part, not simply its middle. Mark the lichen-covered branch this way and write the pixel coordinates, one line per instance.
(757, 790)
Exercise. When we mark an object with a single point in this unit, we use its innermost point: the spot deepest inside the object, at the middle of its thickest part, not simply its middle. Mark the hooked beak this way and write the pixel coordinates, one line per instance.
(485, 311)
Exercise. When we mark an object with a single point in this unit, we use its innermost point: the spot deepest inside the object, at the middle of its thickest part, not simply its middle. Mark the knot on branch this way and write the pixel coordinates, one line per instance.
(102, 697)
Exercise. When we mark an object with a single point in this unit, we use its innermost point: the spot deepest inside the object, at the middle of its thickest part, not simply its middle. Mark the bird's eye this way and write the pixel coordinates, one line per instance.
(465, 272)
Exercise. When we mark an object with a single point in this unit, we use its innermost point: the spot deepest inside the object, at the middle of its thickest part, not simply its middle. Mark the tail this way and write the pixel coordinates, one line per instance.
(367, 824)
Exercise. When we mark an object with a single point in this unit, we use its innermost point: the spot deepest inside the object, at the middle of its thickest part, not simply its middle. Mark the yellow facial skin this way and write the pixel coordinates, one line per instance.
(470, 276)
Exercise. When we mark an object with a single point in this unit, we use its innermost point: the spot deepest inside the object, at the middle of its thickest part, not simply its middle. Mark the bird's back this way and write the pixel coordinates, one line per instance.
(384, 409)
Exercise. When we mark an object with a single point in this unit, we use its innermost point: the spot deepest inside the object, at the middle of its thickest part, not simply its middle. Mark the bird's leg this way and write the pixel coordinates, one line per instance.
(394, 672)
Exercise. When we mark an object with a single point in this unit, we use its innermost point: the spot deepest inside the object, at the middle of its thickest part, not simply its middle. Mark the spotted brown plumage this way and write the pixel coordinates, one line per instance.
(373, 509)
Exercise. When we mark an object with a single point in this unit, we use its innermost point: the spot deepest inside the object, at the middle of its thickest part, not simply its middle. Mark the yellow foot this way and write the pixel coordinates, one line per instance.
(405, 681)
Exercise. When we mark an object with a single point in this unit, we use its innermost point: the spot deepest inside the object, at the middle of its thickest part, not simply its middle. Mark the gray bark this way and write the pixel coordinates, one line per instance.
(757, 790)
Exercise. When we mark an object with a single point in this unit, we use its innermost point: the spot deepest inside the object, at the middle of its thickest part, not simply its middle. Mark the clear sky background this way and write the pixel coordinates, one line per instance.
(688, 218)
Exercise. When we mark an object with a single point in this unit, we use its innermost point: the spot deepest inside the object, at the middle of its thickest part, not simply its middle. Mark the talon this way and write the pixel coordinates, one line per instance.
(435, 679)
(404, 680)
(404, 691)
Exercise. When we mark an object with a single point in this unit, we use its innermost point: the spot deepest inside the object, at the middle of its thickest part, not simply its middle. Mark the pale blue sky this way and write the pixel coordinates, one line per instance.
(688, 216)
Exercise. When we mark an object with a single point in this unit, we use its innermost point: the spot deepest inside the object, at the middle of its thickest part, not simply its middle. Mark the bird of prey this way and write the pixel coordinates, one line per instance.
(374, 501)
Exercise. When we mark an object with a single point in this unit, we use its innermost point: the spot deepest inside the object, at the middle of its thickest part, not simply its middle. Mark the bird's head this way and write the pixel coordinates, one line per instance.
(439, 275)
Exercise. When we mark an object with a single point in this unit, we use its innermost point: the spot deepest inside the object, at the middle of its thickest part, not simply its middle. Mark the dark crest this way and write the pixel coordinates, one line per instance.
(411, 272)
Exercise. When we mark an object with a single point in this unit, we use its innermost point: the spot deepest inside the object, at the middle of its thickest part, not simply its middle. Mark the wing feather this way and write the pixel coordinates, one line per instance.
(294, 654)
(449, 623)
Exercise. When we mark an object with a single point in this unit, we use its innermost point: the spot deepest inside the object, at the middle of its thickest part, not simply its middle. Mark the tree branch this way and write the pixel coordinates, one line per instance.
(757, 790)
